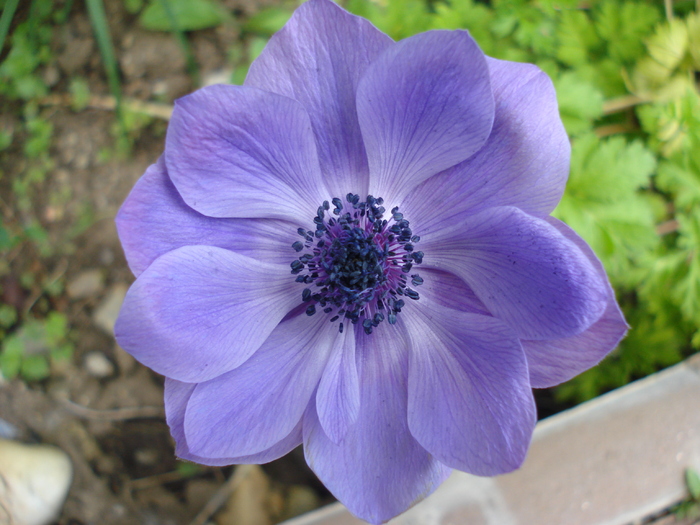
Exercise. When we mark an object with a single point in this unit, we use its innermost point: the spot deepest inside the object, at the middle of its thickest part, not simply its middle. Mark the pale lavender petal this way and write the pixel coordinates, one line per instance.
(558, 360)
(338, 395)
(259, 403)
(236, 151)
(469, 398)
(155, 220)
(199, 311)
(448, 290)
(524, 162)
(318, 59)
(424, 105)
(378, 470)
(177, 395)
(524, 270)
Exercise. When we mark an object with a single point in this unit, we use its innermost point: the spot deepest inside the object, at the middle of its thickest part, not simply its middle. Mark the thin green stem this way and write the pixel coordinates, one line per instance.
(192, 68)
(104, 42)
(8, 13)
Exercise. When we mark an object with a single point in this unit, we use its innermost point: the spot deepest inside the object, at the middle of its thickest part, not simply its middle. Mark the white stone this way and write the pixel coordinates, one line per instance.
(36, 479)
(107, 312)
(85, 284)
(97, 365)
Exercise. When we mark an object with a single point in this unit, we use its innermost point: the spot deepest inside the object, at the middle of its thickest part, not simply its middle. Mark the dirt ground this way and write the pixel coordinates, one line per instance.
(101, 407)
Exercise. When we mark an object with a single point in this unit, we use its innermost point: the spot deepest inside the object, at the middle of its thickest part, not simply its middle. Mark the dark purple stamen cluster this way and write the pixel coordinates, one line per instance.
(358, 261)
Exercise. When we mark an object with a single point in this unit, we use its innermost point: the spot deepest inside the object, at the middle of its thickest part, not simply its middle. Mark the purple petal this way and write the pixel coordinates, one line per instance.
(199, 311)
(378, 470)
(555, 361)
(424, 105)
(318, 59)
(338, 395)
(469, 398)
(155, 220)
(177, 395)
(524, 270)
(524, 163)
(259, 403)
(448, 290)
(235, 151)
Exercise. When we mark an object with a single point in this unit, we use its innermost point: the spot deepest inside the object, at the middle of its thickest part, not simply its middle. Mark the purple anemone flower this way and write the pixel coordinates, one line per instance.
(354, 251)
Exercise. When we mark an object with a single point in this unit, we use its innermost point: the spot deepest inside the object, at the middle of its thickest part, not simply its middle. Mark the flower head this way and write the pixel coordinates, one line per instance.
(354, 251)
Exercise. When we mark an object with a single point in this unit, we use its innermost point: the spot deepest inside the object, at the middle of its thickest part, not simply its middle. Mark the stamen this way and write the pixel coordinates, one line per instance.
(357, 262)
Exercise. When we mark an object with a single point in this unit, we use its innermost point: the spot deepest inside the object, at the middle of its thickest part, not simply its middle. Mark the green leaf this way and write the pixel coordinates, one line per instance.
(692, 479)
(8, 315)
(10, 364)
(133, 6)
(467, 14)
(623, 26)
(190, 15)
(80, 93)
(609, 170)
(8, 12)
(580, 103)
(693, 22)
(187, 470)
(669, 44)
(577, 38)
(35, 368)
(62, 353)
(687, 289)
(268, 21)
(56, 326)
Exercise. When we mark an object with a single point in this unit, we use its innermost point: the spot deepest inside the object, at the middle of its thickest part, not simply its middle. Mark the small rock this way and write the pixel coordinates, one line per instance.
(97, 365)
(248, 503)
(107, 312)
(86, 284)
(36, 479)
(106, 256)
(51, 75)
(8, 430)
(146, 456)
(220, 76)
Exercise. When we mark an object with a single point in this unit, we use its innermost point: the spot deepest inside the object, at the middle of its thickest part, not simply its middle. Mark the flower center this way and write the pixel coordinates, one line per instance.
(358, 262)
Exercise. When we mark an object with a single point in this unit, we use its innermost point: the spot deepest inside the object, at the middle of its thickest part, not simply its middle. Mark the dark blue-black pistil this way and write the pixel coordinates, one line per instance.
(358, 262)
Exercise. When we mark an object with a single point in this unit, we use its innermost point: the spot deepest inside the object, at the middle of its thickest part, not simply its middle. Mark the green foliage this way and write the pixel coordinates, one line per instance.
(622, 26)
(80, 93)
(189, 15)
(29, 49)
(690, 509)
(604, 205)
(692, 480)
(666, 74)
(580, 102)
(268, 21)
(29, 351)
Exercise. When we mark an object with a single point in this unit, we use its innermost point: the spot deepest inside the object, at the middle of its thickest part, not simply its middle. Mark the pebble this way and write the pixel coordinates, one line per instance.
(36, 479)
(97, 365)
(248, 504)
(106, 313)
(8, 430)
(86, 284)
